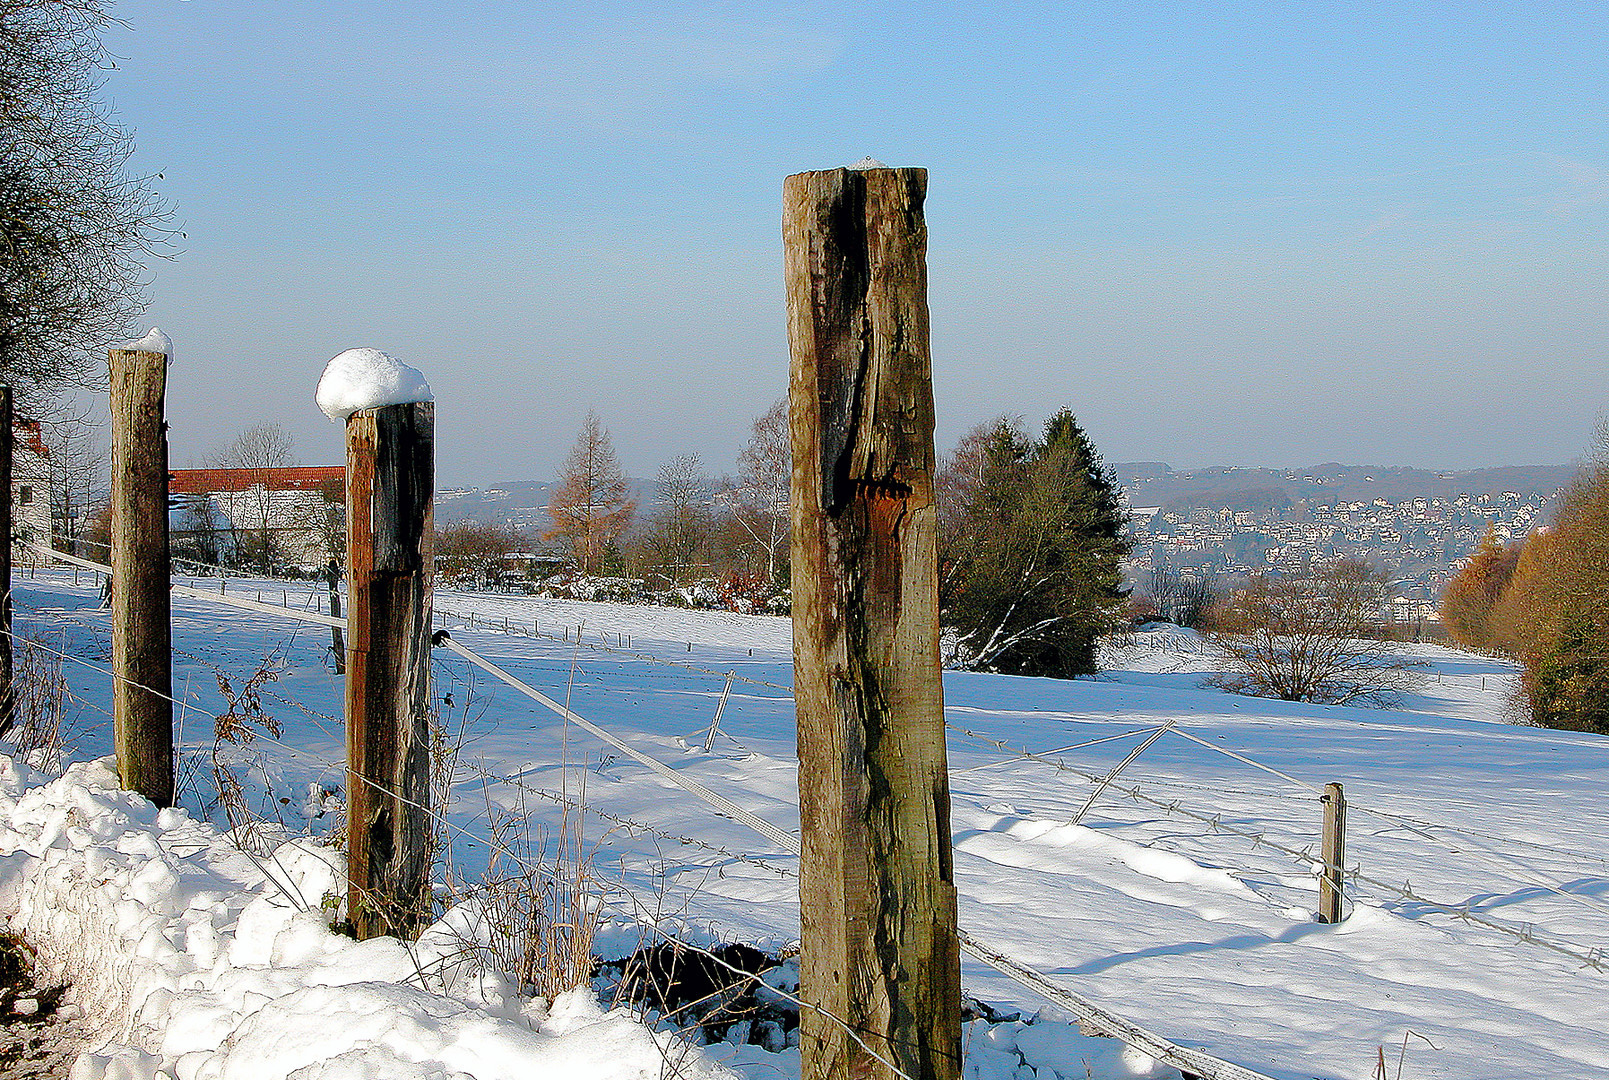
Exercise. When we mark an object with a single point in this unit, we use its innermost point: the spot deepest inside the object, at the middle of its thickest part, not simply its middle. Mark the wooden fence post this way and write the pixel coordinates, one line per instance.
(1334, 854)
(8, 697)
(876, 884)
(390, 491)
(142, 648)
(332, 574)
(715, 724)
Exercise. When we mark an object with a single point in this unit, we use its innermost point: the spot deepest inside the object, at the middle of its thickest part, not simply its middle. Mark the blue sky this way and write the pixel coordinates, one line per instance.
(1239, 234)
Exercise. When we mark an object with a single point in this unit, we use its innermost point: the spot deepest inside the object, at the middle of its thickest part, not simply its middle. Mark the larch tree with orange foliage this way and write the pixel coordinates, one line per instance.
(592, 506)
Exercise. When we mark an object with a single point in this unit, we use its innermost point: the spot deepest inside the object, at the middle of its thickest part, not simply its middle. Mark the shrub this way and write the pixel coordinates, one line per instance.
(1554, 615)
(1310, 638)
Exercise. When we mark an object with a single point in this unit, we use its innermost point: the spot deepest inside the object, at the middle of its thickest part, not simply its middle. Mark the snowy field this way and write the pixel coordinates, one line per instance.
(1183, 900)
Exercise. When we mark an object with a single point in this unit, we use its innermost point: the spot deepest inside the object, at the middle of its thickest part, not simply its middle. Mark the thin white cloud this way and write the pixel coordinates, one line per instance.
(1583, 187)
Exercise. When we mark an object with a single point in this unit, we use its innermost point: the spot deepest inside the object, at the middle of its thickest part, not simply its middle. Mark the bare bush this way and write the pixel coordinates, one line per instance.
(41, 727)
(537, 902)
(234, 731)
(1310, 638)
(1182, 597)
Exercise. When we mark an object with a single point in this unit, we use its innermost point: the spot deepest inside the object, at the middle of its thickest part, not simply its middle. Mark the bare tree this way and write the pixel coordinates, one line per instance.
(1316, 637)
(679, 527)
(592, 506)
(76, 226)
(323, 517)
(76, 457)
(259, 452)
(759, 502)
(470, 552)
(200, 534)
(957, 485)
(1182, 597)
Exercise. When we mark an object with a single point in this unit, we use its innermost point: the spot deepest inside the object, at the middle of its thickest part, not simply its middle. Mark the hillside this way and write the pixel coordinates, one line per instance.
(1477, 909)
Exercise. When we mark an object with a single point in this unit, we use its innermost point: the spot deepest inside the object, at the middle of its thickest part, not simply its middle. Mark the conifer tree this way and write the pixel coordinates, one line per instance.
(592, 506)
(1031, 574)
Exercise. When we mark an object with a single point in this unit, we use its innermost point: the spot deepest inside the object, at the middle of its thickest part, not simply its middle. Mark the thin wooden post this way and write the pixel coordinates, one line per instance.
(332, 574)
(390, 486)
(1334, 854)
(715, 724)
(879, 959)
(142, 635)
(8, 697)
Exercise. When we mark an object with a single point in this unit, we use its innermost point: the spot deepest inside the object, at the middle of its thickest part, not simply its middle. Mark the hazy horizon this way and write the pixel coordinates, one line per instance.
(1233, 233)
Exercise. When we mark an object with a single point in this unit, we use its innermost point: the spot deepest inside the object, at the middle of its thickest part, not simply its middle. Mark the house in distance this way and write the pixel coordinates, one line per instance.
(274, 519)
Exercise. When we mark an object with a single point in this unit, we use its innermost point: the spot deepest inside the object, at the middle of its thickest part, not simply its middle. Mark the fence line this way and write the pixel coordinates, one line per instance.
(693, 787)
(1513, 866)
(1593, 957)
(631, 825)
(1462, 912)
(1157, 1046)
(1171, 1053)
(322, 619)
(606, 647)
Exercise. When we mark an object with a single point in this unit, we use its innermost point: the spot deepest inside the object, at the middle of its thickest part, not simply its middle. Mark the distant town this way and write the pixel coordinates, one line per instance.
(1415, 524)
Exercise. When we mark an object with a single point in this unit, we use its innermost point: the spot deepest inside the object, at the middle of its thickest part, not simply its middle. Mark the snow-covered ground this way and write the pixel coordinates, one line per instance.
(1481, 850)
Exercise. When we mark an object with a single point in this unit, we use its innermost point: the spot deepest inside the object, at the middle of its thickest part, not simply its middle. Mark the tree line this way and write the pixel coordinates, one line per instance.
(697, 537)
(1030, 536)
(1544, 601)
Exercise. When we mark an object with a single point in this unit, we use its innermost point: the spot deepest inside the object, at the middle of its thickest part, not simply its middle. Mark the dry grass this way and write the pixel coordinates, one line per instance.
(42, 729)
(539, 902)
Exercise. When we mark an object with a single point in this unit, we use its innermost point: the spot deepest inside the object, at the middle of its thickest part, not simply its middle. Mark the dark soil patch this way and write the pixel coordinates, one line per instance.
(727, 994)
(36, 1040)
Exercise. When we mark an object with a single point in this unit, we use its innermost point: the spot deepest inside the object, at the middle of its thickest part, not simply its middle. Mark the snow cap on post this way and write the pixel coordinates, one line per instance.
(155, 341)
(367, 379)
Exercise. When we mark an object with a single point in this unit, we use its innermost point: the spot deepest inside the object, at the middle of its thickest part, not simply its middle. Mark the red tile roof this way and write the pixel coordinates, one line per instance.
(287, 478)
(30, 434)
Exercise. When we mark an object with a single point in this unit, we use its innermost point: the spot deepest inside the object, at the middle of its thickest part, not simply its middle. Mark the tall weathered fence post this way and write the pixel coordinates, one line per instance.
(142, 652)
(8, 696)
(390, 490)
(1334, 854)
(876, 890)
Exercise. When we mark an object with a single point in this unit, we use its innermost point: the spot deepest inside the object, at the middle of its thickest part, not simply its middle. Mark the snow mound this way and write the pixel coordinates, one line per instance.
(154, 341)
(867, 162)
(367, 379)
(206, 964)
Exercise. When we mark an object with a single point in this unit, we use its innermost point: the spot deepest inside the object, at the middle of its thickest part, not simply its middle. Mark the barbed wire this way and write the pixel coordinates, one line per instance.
(631, 825)
(632, 653)
(1526, 933)
(1593, 957)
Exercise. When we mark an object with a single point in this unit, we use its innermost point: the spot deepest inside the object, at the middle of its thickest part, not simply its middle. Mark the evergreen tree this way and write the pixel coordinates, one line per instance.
(1031, 578)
